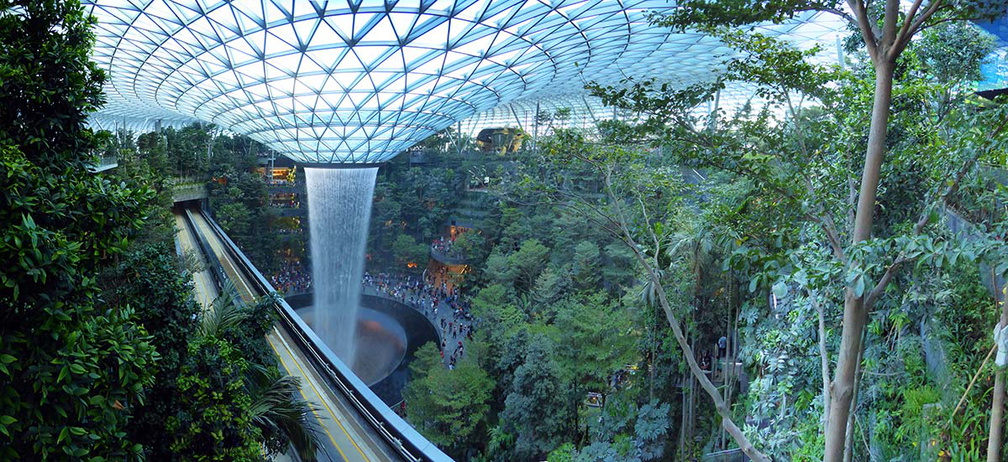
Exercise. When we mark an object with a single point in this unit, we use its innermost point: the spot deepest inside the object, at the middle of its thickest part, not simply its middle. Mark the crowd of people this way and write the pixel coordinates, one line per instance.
(431, 294)
(292, 278)
(438, 300)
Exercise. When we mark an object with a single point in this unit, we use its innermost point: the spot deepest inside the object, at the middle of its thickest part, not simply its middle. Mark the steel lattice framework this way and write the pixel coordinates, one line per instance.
(360, 81)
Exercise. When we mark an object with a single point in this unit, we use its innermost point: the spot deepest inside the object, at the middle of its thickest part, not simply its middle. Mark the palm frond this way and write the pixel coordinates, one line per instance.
(277, 408)
(225, 313)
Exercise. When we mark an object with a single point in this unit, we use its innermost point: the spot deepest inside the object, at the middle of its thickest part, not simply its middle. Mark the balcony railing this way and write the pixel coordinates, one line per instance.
(449, 258)
(104, 163)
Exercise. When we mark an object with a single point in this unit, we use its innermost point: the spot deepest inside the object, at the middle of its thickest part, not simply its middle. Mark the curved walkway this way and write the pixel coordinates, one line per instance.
(447, 310)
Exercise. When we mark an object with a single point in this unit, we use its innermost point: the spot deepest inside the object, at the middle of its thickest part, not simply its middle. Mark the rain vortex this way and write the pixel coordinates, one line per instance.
(339, 210)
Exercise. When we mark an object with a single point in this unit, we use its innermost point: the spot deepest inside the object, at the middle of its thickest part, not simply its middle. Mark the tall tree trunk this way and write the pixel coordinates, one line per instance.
(687, 351)
(682, 422)
(823, 357)
(997, 406)
(855, 313)
(997, 418)
(719, 405)
(849, 448)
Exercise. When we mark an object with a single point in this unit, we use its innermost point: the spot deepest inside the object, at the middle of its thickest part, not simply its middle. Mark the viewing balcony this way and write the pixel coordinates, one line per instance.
(104, 163)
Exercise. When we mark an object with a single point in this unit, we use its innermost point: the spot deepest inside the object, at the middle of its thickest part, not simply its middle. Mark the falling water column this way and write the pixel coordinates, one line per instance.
(339, 210)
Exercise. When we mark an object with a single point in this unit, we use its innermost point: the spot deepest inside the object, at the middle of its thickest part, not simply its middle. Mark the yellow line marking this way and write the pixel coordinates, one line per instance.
(248, 291)
(311, 384)
(301, 391)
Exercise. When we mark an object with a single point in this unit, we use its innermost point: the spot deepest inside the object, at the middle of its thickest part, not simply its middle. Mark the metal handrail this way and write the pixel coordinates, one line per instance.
(403, 438)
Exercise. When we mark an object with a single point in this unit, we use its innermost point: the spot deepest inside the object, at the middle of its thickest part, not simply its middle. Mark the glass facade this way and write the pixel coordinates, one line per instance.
(361, 81)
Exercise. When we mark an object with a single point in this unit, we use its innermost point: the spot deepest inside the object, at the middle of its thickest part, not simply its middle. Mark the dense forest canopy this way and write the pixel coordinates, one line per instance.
(811, 277)
(739, 224)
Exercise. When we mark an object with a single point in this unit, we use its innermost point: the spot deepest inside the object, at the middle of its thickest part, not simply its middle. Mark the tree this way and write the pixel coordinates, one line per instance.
(628, 433)
(232, 398)
(640, 199)
(216, 422)
(407, 250)
(528, 261)
(538, 406)
(448, 406)
(595, 339)
(471, 245)
(886, 33)
(151, 278)
(72, 369)
(587, 259)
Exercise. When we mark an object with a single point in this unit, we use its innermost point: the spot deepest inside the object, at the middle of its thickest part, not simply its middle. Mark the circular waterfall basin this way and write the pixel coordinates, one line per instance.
(381, 343)
(388, 335)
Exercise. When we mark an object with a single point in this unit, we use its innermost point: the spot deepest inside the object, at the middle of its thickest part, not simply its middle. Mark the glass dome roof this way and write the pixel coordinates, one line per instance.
(360, 81)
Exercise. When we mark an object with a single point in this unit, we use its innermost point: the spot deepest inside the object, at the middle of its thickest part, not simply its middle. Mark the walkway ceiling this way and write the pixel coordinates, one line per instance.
(360, 81)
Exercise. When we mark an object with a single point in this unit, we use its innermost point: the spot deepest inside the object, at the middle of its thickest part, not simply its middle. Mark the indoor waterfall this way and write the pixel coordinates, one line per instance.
(339, 210)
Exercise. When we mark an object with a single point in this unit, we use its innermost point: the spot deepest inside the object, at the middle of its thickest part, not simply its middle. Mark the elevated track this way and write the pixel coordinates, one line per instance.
(355, 424)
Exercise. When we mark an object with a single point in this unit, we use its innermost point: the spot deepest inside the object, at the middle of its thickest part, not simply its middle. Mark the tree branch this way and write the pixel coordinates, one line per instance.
(925, 218)
(842, 14)
(889, 27)
(687, 351)
(823, 355)
(869, 30)
(884, 281)
(918, 23)
(829, 226)
(911, 13)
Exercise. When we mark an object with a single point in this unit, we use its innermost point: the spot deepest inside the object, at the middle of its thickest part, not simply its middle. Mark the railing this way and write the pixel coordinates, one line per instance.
(216, 269)
(104, 163)
(403, 438)
(447, 259)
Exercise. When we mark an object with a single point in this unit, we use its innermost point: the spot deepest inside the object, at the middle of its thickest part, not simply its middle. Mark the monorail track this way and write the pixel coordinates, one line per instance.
(356, 425)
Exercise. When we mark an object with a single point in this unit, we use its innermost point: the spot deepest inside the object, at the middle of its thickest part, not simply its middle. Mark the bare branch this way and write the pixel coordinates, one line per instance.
(889, 26)
(972, 381)
(705, 383)
(823, 354)
(654, 236)
(918, 24)
(884, 281)
(911, 13)
(869, 30)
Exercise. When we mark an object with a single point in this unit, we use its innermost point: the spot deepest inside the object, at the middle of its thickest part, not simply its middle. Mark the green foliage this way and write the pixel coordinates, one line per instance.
(448, 406)
(538, 407)
(529, 261)
(626, 432)
(787, 183)
(709, 14)
(73, 368)
(414, 202)
(278, 410)
(594, 339)
(232, 402)
(150, 277)
(587, 259)
(216, 423)
(408, 250)
(953, 52)
(249, 334)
